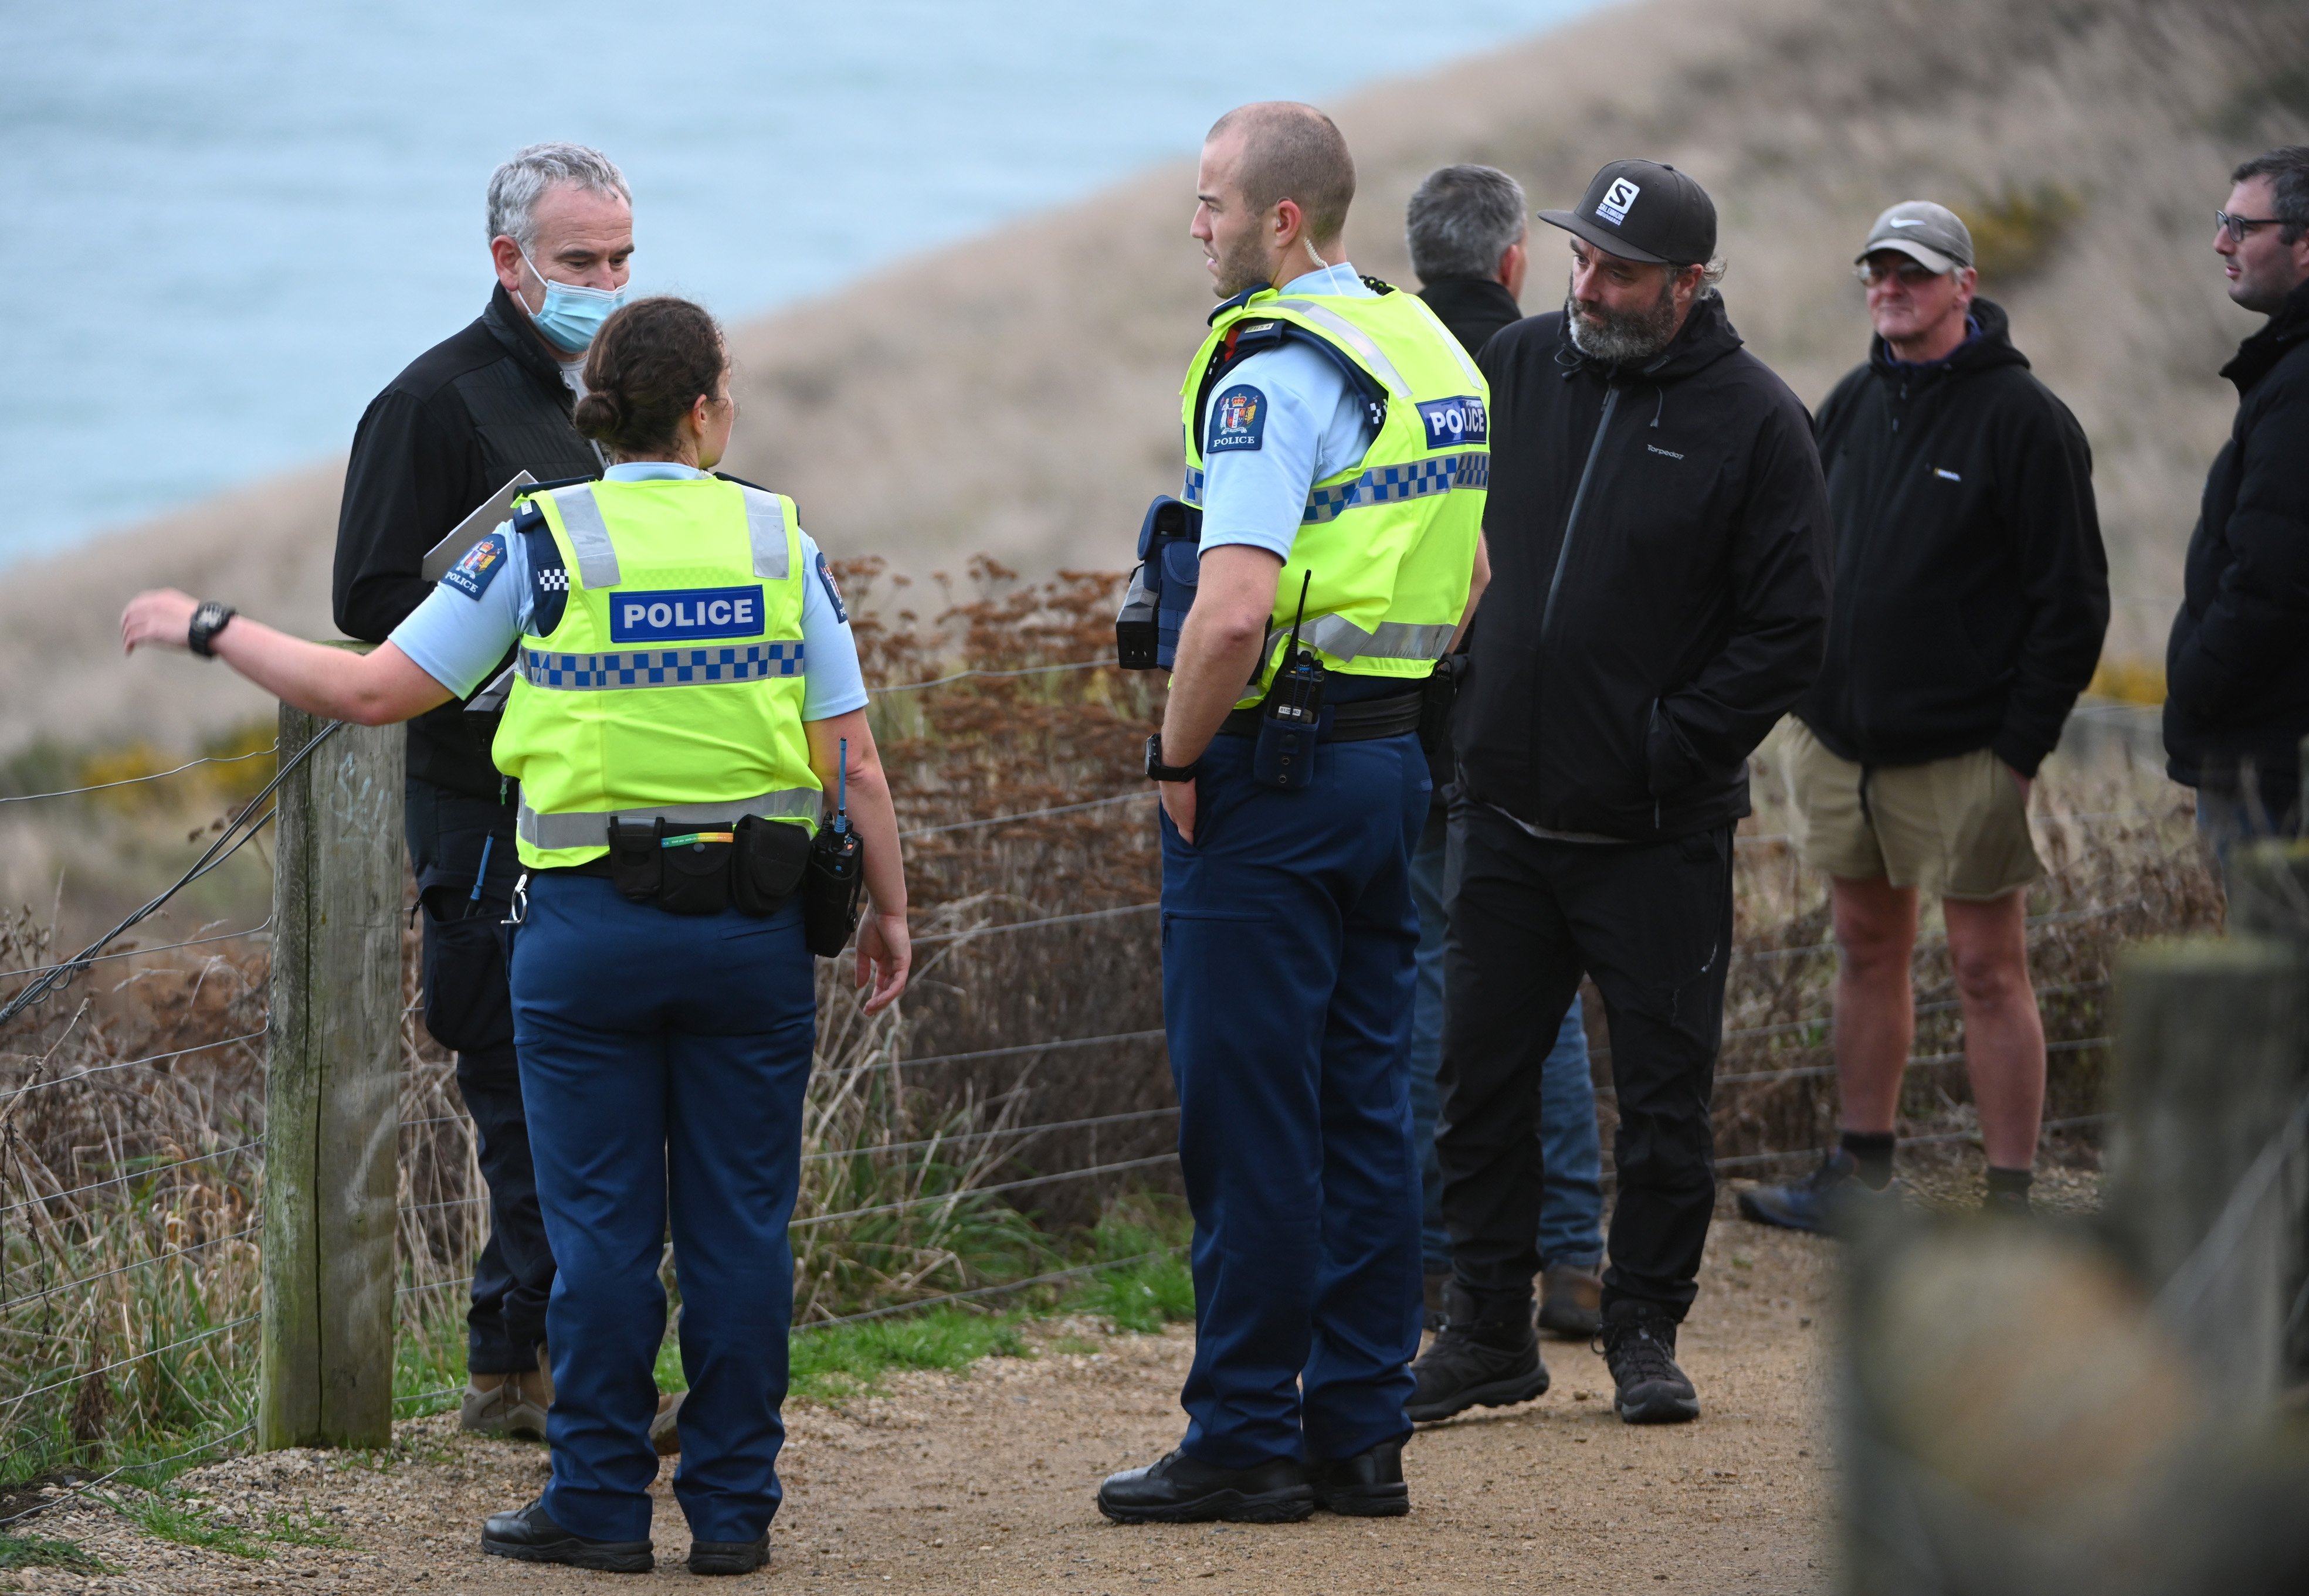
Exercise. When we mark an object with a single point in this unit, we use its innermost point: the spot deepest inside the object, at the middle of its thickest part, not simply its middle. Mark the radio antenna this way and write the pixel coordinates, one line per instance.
(841, 789)
(1292, 650)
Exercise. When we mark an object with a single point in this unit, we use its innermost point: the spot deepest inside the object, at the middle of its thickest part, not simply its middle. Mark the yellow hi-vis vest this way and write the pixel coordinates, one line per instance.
(671, 686)
(1391, 541)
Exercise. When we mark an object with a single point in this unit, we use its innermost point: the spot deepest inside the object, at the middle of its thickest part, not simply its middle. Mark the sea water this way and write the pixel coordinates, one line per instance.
(229, 223)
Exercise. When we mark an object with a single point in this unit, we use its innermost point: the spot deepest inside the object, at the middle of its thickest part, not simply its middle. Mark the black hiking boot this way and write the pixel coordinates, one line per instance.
(530, 1534)
(729, 1557)
(1640, 1347)
(1179, 1490)
(1368, 1485)
(1478, 1360)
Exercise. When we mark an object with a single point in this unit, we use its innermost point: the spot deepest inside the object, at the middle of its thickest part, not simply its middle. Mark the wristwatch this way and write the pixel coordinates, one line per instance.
(1156, 771)
(208, 620)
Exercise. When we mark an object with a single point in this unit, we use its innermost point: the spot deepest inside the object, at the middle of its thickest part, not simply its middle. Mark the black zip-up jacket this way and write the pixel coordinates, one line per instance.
(1971, 585)
(1659, 582)
(445, 435)
(2236, 670)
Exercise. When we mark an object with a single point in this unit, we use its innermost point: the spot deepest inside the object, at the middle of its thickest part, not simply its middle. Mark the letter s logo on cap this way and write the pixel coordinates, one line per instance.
(1617, 201)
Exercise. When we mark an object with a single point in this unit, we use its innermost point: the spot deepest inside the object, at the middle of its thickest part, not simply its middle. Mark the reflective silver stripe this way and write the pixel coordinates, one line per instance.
(765, 528)
(1391, 484)
(1347, 333)
(1341, 638)
(580, 518)
(660, 668)
(591, 828)
(1451, 341)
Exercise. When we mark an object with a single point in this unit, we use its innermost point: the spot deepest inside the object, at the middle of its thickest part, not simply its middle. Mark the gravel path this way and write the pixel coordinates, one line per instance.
(981, 1482)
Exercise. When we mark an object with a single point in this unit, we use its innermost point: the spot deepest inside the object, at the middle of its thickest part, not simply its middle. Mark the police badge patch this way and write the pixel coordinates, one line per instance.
(1238, 419)
(472, 574)
(833, 592)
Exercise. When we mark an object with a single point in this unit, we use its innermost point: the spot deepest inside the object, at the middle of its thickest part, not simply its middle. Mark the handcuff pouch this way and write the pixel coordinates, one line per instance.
(771, 854)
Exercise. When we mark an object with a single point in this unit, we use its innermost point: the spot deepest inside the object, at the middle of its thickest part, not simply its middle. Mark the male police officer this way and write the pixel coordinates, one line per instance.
(1334, 444)
(465, 417)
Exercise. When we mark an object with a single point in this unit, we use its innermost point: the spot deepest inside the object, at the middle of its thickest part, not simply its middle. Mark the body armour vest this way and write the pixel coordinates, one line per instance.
(1390, 542)
(670, 683)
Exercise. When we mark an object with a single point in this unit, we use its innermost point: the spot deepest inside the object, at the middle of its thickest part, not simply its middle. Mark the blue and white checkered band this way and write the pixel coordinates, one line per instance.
(1388, 484)
(660, 668)
(1193, 492)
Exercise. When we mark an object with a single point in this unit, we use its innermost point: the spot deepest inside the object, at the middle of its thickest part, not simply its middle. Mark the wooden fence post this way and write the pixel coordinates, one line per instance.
(2212, 1057)
(332, 1096)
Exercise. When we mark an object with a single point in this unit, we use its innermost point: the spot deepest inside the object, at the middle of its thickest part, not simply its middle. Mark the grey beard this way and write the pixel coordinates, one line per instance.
(1625, 335)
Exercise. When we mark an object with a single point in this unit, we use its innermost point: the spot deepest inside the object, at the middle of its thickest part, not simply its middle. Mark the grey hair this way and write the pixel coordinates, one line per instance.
(1711, 276)
(2286, 167)
(516, 186)
(1462, 219)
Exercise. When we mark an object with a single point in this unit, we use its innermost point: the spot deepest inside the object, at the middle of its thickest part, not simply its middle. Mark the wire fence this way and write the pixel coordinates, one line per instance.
(132, 1269)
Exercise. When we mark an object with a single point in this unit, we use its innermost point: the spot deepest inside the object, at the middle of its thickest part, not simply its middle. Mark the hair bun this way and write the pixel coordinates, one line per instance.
(599, 415)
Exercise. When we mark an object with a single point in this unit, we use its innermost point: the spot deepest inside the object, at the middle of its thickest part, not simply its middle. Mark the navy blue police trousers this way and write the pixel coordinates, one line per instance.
(663, 1059)
(1288, 936)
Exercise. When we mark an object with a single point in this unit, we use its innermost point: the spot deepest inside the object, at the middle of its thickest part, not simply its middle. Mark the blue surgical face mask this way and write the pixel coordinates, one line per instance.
(571, 315)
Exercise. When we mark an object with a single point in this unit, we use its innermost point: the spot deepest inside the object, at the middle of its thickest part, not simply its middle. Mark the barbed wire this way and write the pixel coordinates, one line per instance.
(1050, 919)
(965, 675)
(979, 1191)
(1015, 1048)
(26, 797)
(93, 1186)
(970, 1136)
(967, 825)
(191, 1340)
(159, 1462)
(165, 947)
(98, 1069)
(9, 1305)
(994, 1290)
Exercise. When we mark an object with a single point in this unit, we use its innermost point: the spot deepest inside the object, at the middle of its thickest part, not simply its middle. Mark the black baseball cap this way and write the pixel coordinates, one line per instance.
(1642, 210)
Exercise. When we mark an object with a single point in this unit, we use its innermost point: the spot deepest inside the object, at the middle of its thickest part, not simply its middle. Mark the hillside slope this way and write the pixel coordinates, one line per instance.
(1015, 394)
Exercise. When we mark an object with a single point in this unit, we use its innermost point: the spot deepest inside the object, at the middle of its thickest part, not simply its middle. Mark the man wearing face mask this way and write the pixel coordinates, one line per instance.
(468, 415)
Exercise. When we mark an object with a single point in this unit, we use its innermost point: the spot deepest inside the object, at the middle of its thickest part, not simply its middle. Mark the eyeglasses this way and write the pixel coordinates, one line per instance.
(2238, 227)
(1911, 273)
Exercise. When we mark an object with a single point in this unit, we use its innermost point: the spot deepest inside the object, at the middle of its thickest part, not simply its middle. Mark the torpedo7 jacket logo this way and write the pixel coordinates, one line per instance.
(684, 614)
(1454, 422)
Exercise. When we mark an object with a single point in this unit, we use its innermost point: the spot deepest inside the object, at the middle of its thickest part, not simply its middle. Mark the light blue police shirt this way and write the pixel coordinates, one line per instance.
(1292, 420)
(457, 638)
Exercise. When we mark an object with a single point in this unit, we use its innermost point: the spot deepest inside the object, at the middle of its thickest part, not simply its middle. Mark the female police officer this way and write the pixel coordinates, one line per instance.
(685, 675)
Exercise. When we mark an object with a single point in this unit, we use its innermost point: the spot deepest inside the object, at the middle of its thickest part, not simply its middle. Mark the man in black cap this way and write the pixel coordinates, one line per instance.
(1971, 597)
(1658, 534)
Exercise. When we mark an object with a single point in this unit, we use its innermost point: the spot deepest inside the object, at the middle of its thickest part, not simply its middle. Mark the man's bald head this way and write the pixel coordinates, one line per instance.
(1291, 151)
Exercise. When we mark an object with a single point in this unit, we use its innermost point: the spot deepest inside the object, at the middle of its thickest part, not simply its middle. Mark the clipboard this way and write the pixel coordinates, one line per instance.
(480, 524)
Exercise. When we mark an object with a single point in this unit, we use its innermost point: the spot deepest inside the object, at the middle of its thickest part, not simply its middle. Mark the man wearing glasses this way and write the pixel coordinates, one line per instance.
(1970, 597)
(2238, 665)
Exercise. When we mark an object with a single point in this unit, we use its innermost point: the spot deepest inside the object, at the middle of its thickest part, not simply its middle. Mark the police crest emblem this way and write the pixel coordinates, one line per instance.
(1238, 419)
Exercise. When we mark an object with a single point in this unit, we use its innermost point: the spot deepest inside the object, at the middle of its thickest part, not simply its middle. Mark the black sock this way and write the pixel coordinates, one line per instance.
(1872, 1152)
(2009, 1183)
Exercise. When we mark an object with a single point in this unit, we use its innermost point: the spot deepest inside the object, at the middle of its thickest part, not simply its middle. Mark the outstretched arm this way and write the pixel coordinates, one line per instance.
(373, 689)
(884, 952)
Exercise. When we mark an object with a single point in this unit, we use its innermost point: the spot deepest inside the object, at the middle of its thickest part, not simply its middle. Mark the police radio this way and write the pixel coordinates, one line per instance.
(837, 875)
(1291, 721)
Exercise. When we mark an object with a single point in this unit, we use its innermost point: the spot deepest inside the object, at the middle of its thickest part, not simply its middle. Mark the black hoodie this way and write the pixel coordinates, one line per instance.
(1971, 586)
(1659, 582)
(2237, 671)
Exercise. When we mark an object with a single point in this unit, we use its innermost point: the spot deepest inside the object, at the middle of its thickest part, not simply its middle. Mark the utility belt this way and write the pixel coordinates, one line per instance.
(1346, 722)
(752, 865)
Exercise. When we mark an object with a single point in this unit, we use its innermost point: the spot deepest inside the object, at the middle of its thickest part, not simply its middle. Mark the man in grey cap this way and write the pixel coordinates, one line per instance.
(1658, 538)
(1971, 596)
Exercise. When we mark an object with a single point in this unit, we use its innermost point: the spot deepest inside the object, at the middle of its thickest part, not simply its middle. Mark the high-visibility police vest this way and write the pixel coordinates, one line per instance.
(670, 683)
(1391, 541)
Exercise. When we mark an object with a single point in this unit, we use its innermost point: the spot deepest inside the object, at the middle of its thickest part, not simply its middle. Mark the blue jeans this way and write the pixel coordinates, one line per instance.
(1287, 940)
(1571, 1210)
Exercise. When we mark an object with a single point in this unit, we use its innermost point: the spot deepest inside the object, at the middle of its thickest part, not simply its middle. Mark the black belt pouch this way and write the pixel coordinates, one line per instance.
(636, 863)
(687, 878)
(770, 856)
(829, 902)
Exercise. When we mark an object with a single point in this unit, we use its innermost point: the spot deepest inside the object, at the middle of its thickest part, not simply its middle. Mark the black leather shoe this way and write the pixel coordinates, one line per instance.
(1477, 1360)
(729, 1557)
(1179, 1490)
(1639, 1346)
(530, 1535)
(1368, 1485)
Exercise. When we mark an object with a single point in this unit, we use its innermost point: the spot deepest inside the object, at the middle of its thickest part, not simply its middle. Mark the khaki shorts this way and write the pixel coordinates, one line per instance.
(1955, 827)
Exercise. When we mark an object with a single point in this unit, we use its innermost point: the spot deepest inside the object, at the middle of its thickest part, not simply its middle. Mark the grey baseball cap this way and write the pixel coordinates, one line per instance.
(1932, 234)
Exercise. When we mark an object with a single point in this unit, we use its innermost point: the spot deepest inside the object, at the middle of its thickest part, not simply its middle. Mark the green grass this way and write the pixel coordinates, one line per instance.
(39, 1551)
(168, 1516)
(845, 1359)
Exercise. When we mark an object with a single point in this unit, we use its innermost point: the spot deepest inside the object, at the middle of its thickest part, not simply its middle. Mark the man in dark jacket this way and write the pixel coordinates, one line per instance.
(1658, 538)
(1971, 599)
(465, 418)
(1470, 236)
(2236, 670)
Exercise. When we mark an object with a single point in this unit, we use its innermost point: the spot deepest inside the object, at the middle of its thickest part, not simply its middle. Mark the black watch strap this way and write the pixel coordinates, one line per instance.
(1156, 771)
(208, 620)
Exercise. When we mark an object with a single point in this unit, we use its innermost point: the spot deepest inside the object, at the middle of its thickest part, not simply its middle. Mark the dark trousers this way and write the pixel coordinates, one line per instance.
(1287, 939)
(664, 1058)
(468, 1010)
(1652, 923)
